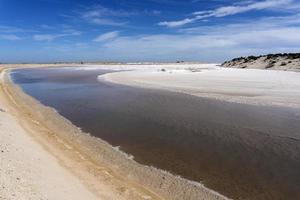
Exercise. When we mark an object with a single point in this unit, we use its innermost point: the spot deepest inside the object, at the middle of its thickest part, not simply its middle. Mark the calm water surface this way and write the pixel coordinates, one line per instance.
(241, 151)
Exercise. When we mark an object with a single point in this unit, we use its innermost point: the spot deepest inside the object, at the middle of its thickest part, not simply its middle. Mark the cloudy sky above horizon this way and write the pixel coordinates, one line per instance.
(146, 30)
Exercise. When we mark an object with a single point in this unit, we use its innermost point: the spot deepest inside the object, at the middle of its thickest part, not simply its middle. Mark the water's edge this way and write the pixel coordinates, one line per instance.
(161, 182)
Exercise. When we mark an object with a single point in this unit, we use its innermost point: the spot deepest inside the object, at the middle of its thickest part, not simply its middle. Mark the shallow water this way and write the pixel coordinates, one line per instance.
(241, 151)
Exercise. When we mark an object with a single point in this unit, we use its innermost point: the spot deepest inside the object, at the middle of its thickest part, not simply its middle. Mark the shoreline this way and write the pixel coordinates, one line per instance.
(100, 153)
(264, 88)
(35, 119)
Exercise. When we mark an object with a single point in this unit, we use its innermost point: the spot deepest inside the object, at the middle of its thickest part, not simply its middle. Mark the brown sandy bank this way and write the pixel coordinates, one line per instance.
(45, 156)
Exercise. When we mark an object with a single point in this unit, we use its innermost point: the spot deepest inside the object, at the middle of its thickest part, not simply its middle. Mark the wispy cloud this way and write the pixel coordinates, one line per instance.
(46, 26)
(51, 37)
(107, 36)
(103, 16)
(99, 11)
(229, 10)
(12, 29)
(45, 37)
(105, 21)
(10, 37)
(208, 43)
(272, 34)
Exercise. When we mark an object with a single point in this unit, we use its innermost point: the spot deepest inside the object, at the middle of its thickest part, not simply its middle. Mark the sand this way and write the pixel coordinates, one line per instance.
(251, 86)
(27, 170)
(44, 156)
(286, 62)
(36, 165)
(37, 162)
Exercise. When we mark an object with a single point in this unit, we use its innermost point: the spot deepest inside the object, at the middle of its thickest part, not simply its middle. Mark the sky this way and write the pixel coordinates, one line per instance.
(146, 30)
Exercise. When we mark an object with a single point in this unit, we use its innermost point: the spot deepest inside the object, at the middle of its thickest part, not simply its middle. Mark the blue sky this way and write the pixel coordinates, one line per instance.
(146, 30)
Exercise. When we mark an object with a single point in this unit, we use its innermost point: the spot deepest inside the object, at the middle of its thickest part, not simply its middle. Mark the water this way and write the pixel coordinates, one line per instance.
(241, 151)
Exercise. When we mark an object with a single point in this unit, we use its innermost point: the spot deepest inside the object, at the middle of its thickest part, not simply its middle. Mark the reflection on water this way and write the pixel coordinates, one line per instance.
(244, 152)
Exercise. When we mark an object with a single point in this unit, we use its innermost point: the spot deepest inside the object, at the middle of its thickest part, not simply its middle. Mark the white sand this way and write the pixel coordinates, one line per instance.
(27, 171)
(274, 62)
(251, 86)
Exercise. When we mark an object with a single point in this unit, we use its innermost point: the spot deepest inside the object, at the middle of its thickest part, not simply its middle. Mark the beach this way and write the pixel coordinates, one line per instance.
(94, 169)
(46, 157)
(250, 86)
(28, 170)
(150, 100)
(35, 164)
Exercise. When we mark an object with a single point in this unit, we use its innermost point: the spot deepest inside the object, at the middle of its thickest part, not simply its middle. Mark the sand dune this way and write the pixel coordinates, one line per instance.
(285, 61)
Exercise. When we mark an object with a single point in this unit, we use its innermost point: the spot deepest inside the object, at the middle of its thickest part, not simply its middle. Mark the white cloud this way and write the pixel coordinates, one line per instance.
(177, 23)
(70, 32)
(104, 16)
(46, 26)
(267, 23)
(12, 29)
(232, 10)
(9, 29)
(51, 37)
(107, 36)
(45, 37)
(110, 22)
(215, 44)
(99, 11)
(100, 15)
(10, 37)
(229, 10)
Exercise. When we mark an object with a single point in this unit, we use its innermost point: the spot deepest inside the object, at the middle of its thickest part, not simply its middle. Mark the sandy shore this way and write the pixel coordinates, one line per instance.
(36, 164)
(44, 156)
(27, 169)
(252, 86)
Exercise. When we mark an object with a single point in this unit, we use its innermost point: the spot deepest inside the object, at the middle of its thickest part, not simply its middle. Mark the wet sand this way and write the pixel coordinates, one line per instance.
(241, 151)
